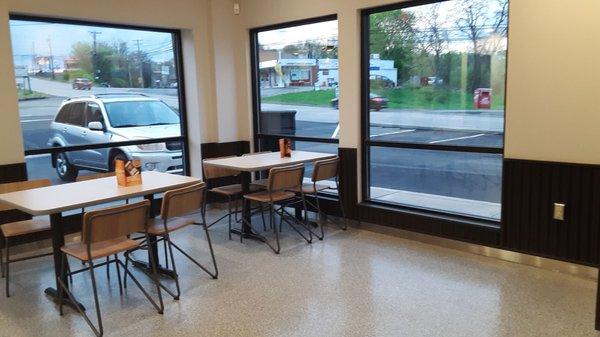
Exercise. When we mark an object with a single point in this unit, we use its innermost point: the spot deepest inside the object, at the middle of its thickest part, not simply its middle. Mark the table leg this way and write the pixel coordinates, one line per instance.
(247, 231)
(58, 240)
(145, 266)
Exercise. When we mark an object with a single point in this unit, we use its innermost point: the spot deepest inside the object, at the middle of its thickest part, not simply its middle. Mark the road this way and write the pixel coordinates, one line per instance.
(61, 89)
(461, 175)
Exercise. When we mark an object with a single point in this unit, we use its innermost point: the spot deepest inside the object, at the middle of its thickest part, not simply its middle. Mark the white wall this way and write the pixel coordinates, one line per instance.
(552, 68)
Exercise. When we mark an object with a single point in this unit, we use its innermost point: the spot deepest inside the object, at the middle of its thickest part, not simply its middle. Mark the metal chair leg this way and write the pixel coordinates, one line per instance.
(342, 208)
(166, 254)
(229, 215)
(119, 274)
(108, 268)
(320, 216)
(7, 266)
(168, 239)
(272, 222)
(96, 302)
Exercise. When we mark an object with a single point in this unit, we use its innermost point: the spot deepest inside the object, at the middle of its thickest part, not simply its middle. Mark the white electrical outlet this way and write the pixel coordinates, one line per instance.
(559, 211)
(236, 8)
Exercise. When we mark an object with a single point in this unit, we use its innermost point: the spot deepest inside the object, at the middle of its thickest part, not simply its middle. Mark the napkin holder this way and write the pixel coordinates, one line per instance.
(285, 147)
(128, 172)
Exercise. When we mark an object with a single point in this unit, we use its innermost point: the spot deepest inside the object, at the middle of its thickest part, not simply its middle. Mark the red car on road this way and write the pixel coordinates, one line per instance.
(82, 84)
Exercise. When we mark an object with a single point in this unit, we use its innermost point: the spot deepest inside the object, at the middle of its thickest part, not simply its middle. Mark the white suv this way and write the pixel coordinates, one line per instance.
(109, 118)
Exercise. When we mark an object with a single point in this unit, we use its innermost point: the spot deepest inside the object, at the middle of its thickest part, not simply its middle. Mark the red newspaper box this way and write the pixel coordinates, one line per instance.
(482, 98)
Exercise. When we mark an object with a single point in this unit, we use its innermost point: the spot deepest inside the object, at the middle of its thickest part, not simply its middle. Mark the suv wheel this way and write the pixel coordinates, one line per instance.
(64, 169)
(118, 155)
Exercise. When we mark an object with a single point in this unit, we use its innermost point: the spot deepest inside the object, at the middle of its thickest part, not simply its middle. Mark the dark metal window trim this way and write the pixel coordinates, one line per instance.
(255, 82)
(367, 143)
(178, 55)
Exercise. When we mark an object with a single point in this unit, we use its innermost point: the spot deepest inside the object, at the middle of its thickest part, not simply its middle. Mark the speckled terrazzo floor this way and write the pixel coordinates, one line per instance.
(355, 283)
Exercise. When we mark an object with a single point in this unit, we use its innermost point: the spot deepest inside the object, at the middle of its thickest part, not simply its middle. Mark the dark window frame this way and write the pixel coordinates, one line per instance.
(367, 143)
(255, 82)
(178, 60)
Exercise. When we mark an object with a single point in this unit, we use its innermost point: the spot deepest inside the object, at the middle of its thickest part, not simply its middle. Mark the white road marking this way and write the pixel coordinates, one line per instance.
(336, 131)
(457, 138)
(394, 133)
(31, 156)
(36, 120)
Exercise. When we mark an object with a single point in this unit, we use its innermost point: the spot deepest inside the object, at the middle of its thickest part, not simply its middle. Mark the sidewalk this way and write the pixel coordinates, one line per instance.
(470, 120)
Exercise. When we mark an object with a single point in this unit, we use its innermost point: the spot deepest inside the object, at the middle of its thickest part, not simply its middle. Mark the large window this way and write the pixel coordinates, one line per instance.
(433, 103)
(296, 79)
(90, 93)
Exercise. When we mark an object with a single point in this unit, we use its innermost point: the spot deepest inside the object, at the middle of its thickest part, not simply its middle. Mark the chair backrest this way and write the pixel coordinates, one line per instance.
(21, 186)
(287, 177)
(213, 172)
(183, 201)
(326, 169)
(95, 176)
(115, 222)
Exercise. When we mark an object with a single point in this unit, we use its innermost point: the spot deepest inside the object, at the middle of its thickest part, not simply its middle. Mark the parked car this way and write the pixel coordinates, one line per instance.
(82, 84)
(378, 81)
(111, 118)
(376, 102)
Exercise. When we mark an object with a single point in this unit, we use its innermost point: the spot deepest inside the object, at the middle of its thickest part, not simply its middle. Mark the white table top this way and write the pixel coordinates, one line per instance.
(265, 161)
(66, 197)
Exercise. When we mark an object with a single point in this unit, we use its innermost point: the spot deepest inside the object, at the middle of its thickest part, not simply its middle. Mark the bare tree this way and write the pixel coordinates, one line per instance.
(434, 38)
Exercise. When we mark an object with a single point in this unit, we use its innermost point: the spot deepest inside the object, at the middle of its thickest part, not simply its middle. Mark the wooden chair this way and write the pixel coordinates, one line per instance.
(281, 180)
(14, 230)
(176, 205)
(323, 170)
(231, 192)
(92, 177)
(105, 234)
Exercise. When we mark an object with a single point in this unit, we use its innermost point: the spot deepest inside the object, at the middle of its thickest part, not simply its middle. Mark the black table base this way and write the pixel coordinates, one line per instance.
(53, 294)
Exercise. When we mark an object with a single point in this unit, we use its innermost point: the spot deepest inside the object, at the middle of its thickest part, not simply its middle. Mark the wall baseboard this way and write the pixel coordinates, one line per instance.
(497, 253)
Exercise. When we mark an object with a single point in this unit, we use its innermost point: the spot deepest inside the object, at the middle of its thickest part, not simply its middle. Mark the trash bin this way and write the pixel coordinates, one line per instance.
(280, 122)
(482, 98)
(276, 122)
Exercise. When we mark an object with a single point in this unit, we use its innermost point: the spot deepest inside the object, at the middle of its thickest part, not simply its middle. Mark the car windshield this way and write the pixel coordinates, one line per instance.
(140, 113)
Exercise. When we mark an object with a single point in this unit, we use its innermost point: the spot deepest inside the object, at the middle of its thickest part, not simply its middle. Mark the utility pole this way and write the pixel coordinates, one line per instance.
(141, 78)
(94, 54)
(51, 58)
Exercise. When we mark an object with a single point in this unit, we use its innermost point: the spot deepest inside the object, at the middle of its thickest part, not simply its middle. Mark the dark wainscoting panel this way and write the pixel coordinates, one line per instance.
(440, 225)
(530, 190)
(13, 172)
(214, 150)
(10, 173)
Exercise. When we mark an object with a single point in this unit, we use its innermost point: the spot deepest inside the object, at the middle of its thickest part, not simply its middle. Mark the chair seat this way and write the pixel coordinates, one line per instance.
(19, 228)
(264, 196)
(232, 190)
(157, 227)
(78, 250)
(310, 188)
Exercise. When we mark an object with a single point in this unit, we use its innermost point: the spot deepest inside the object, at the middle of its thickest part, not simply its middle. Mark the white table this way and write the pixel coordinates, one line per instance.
(260, 162)
(53, 200)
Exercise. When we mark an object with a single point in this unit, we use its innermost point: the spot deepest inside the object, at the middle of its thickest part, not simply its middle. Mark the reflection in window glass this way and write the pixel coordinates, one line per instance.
(298, 74)
(437, 77)
(437, 73)
(109, 84)
(456, 182)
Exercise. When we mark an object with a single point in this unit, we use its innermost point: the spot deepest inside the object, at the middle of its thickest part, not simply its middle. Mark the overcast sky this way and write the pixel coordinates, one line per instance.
(325, 31)
(30, 37)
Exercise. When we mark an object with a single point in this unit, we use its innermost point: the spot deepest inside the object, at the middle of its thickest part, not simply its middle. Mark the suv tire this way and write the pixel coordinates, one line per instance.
(64, 169)
(118, 155)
